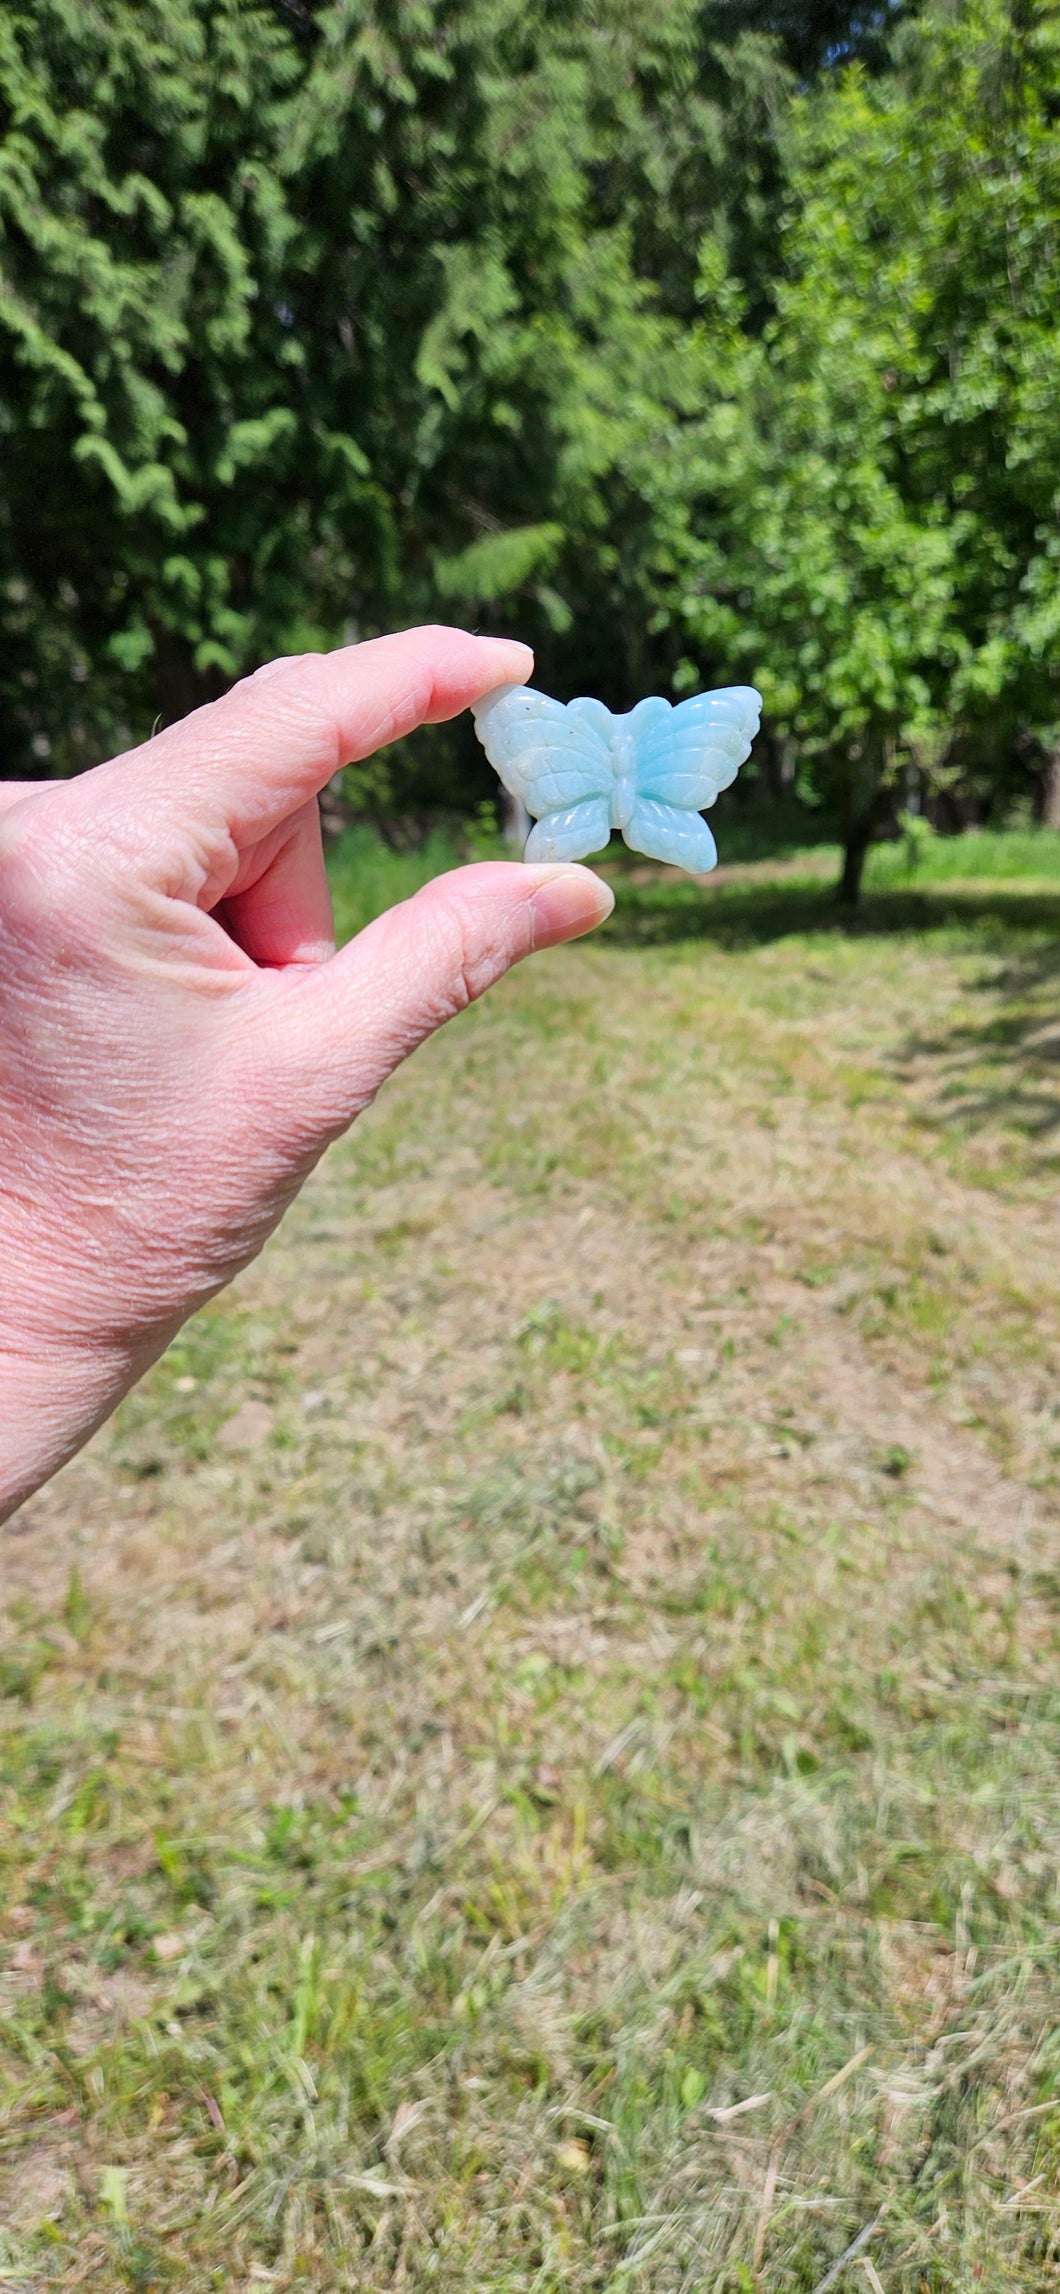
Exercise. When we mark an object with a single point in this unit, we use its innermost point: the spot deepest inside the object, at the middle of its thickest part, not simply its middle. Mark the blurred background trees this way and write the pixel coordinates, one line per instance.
(717, 340)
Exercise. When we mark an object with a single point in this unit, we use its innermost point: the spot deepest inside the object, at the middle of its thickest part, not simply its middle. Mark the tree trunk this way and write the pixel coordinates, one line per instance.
(865, 805)
(771, 759)
(1051, 809)
(848, 889)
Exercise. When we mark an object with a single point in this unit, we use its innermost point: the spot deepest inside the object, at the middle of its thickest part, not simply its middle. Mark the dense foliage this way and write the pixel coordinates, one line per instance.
(716, 340)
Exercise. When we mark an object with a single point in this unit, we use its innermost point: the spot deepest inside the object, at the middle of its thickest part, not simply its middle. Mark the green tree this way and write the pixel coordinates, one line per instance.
(827, 34)
(312, 319)
(326, 316)
(276, 307)
(973, 197)
(872, 532)
(145, 371)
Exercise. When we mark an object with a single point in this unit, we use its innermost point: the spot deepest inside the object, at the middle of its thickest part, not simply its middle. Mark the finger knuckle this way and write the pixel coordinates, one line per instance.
(469, 958)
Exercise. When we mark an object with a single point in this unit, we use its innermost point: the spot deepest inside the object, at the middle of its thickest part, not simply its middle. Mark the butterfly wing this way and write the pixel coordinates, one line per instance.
(569, 835)
(685, 756)
(672, 833)
(555, 756)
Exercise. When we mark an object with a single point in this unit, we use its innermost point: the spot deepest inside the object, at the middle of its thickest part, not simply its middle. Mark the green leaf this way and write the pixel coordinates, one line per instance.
(499, 564)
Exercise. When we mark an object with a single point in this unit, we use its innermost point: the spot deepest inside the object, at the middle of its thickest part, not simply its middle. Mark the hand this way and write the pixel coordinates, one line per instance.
(178, 1039)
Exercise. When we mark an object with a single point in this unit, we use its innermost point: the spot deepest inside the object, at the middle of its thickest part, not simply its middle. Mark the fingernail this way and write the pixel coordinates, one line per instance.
(566, 902)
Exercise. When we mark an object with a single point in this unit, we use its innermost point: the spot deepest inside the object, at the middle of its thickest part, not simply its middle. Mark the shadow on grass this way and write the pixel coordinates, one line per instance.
(1005, 1068)
(1002, 1069)
(664, 913)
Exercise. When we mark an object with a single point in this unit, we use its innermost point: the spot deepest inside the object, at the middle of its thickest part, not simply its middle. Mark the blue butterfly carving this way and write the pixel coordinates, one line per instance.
(582, 772)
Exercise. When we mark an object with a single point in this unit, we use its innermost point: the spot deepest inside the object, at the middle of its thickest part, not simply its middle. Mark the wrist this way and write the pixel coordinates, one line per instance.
(50, 1404)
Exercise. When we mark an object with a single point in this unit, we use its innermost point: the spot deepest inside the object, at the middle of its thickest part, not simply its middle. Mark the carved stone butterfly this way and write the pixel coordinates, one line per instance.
(582, 772)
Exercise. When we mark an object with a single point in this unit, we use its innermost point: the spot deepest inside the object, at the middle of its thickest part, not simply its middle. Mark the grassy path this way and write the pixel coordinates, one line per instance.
(530, 1758)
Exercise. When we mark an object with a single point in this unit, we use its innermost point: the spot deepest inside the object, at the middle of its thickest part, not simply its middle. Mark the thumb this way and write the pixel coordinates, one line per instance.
(334, 1033)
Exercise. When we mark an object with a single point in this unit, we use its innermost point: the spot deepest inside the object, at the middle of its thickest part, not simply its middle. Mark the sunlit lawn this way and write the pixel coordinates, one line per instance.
(531, 1752)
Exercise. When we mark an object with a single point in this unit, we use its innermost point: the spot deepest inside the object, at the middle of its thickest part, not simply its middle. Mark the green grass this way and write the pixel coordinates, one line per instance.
(786, 852)
(1000, 855)
(530, 1752)
(366, 876)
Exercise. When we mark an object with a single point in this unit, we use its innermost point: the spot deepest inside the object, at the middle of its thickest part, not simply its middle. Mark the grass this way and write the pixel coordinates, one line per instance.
(776, 851)
(529, 1751)
(1000, 855)
(366, 877)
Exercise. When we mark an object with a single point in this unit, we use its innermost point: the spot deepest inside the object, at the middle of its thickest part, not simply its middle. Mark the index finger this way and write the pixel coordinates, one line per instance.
(233, 770)
(16, 792)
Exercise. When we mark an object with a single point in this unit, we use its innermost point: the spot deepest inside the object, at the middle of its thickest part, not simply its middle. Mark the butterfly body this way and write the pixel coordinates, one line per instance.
(583, 772)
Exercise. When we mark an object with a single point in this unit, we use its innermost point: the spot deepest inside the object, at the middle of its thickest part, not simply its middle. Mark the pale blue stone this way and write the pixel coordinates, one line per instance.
(582, 772)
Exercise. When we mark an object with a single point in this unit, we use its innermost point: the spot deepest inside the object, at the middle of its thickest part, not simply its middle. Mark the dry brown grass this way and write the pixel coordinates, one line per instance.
(531, 1747)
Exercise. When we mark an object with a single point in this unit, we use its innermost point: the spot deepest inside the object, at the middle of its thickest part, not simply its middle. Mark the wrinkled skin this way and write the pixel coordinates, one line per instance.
(179, 1041)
